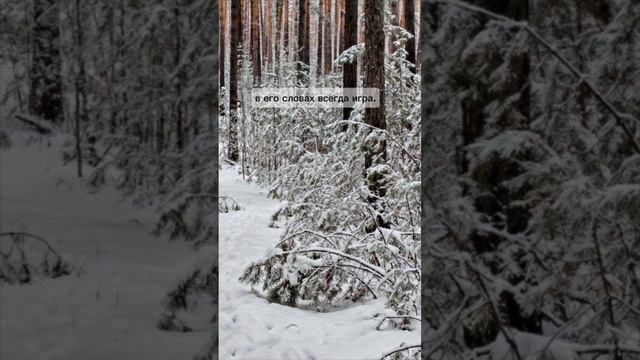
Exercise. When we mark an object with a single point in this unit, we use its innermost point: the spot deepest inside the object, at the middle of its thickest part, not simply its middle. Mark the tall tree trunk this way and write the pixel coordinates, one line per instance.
(256, 59)
(375, 147)
(326, 37)
(394, 8)
(409, 23)
(285, 30)
(222, 14)
(267, 15)
(350, 70)
(341, 34)
(236, 41)
(178, 99)
(278, 42)
(303, 33)
(335, 29)
(111, 25)
(45, 99)
(279, 10)
(80, 115)
(122, 76)
(320, 47)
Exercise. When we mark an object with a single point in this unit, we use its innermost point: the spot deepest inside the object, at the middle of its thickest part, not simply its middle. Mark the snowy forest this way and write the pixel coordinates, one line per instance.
(108, 134)
(319, 251)
(488, 208)
(531, 179)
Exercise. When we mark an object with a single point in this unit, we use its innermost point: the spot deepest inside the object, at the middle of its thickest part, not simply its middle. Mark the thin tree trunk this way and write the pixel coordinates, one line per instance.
(178, 100)
(279, 10)
(320, 46)
(123, 69)
(340, 34)
(285, 29)
(79, 87)
(409, 23)
(326, 37)
(395, 12)
(349, 70)
(222, 36)
(236, 41)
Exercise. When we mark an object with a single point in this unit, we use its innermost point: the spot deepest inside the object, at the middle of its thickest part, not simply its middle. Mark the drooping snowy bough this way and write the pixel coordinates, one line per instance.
(27, 257)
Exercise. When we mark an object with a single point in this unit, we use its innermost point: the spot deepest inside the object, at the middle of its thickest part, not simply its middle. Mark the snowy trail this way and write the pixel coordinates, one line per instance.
(252, 328)
(108, 307)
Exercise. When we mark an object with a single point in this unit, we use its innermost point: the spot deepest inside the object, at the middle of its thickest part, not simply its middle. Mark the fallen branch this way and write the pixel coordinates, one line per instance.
(41, 128)
(17, 234)
(396, 317)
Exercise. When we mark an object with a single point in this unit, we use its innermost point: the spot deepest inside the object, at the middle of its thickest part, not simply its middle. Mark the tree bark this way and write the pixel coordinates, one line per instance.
(326, 26)
(256, 60)
(236, 41)
(303, 33)
(375, 146)
(222, 14)
(178, 81)
(277, 41)
(350, 70)
(409, 22)
(394, 8)
(320, 46)
(285, 28)
(80, 115)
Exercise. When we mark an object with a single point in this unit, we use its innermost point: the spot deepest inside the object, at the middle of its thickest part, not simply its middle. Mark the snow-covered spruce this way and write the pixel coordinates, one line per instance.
(532, 190)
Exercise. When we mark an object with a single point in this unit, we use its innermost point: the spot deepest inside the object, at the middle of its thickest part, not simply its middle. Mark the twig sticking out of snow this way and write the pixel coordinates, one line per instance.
(40, 127)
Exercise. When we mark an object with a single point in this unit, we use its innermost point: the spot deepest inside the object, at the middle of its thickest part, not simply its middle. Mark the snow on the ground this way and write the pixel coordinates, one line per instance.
(252, 328)
(108, 307)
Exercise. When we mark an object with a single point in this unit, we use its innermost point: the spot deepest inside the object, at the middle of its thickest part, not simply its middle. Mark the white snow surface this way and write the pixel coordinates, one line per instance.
(108, 307)
(252, 328)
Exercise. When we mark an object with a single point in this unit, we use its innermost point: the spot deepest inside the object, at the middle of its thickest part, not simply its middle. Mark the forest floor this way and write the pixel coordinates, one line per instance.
(108, 307)
(252, 328)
